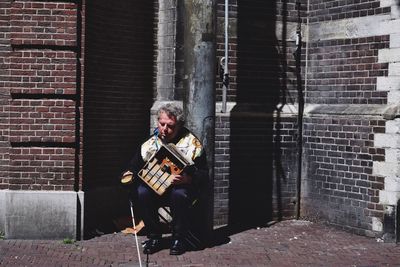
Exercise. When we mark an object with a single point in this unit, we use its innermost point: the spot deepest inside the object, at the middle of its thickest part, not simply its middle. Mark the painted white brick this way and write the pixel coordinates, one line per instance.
(385, 140)
(394, 69)
(393, 126)
(389, 55)
(388, 198)
(392, 184)
(384, 168)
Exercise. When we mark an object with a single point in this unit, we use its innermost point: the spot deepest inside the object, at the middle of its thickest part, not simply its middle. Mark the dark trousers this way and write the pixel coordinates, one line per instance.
(178, 198)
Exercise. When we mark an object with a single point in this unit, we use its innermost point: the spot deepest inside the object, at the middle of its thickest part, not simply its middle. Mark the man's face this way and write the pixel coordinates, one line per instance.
(167, 126)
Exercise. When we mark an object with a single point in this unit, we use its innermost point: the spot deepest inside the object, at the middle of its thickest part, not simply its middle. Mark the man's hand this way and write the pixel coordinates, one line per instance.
(127, 177)
(182, 178)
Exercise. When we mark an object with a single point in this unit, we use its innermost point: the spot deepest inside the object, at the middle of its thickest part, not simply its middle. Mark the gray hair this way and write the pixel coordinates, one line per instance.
(172, 111)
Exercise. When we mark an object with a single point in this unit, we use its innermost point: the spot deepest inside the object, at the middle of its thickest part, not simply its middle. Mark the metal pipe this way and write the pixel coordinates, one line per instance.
(300, 100)
(226, 58)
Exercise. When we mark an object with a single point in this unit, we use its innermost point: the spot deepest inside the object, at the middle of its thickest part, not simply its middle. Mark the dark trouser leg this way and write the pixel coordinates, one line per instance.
(148, 205)
(180, 203)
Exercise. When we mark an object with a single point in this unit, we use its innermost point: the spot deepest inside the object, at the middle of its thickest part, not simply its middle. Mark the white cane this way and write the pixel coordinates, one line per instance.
(134, 230)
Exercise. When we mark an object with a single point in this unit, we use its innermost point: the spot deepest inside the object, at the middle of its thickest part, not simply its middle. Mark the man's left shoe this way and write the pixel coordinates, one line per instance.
(178, 247)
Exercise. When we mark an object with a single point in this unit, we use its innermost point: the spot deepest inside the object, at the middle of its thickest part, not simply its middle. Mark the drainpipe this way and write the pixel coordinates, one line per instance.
(300, 100)
(199, 83)
(225, 60)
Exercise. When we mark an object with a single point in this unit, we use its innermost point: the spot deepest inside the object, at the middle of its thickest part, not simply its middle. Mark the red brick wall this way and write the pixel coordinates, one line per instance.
(42, 121)
(40, 92)
(42, 71)
(5, 49)
(43, 23)
(40, 168)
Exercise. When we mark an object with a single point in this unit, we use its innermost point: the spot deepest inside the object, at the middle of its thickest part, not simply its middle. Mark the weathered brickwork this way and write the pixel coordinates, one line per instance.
(255, 162)
(43, 23)
(339, 154)
(40, 83)
(348, 160)
(42, 121)
(4, 92)
(42, 72)
(263, 166)
(333, 10)
(345, 71)
(256, 141)
(221, 169)
(39, 168)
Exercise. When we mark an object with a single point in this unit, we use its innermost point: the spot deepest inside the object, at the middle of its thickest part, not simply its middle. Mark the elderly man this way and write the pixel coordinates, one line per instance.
(184, 189)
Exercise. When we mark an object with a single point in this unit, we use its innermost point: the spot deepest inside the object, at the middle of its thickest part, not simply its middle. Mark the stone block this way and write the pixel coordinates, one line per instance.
(388, 83)
(386, 3)
(388, 26)
(377, 224)
(387, 140)
(40, 214)
(385, 168)
(392, 155)
(393, 97)
(392, 184)
(389, 198)
(389, 55)
(393, 126)
(394, 68)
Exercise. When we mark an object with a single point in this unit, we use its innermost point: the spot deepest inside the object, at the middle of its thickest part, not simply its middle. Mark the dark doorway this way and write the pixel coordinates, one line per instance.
(119, 55)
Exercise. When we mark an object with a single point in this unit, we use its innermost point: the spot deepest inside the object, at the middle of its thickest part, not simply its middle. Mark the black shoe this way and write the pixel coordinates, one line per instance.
(152, 245)
(178, 247)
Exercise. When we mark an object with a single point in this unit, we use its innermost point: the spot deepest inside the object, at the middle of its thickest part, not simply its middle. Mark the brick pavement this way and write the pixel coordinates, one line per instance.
(289, 243)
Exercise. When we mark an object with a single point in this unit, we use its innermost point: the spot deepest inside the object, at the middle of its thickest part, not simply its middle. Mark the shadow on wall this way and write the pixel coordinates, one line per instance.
(256, 171)
(119, 45)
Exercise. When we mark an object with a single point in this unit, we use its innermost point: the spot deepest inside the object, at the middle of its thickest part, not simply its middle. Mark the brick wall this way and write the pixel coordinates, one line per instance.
(40, 93)
(5, 49)
(256, 154)
(339, 154)
(344, 71)
(334, 10)
(43, 23)
(118, 86)
(345, 67)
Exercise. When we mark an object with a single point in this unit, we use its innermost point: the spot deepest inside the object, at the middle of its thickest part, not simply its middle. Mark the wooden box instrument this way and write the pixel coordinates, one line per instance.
(159, 171)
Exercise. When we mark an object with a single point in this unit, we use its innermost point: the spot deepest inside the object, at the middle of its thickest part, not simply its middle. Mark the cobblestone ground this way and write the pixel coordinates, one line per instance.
(289, 243)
